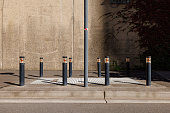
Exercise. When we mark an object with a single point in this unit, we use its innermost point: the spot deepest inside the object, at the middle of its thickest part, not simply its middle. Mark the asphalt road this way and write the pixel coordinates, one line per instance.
(84, 108)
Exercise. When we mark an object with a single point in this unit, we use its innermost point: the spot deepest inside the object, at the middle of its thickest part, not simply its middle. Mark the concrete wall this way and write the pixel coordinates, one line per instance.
(102, 42)
(54, 28)
(1, 10)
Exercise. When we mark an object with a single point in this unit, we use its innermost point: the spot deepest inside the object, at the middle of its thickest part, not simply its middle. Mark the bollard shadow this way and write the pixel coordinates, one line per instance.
(10, 83)
(59, 83)
(89, 75)
(4, 86)
(33, 75)
(81, 75)
(75, 84)
(58, 75)
(50, 82)
(95, 73)
(13, 74)
(16, 75)
(95, 83)
(30, 78)
(6, 73)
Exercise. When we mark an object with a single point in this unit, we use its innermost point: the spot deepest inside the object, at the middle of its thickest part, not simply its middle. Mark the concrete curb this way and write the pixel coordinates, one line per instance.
(17, 101)
(52, 101)
(91, 95)
(138, 101)
(52, 94)
(136, 95)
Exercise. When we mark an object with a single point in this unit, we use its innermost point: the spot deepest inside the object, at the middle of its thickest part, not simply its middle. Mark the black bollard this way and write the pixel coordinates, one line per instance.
(41, 66)
(70, 67)
(21, 71)
(128, 66)
(99, 67)
(64, 70)
(148, 71)
(107, 75)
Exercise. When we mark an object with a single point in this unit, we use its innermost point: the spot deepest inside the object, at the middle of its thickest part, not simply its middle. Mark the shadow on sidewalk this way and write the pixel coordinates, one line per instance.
(10, 83)
(57, 75)
(34, 76)
(89, 75)
(7, 73)
(96, 83)
(75, 84)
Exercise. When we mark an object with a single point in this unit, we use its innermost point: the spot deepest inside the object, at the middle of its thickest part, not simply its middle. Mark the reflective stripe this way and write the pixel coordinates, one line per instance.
(21, 60)
(127, 59)
(148, 60)
(98, 60)
(41, 60)
(64, 60)
(106, 60)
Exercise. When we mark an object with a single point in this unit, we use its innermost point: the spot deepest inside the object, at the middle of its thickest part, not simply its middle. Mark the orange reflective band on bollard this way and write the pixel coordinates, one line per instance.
(98, 60)
(128, 66)
(127, 59)
(106, 60)
(41, 59)
(148, 60)
(70, 60)
(21, 59)
(64, 60)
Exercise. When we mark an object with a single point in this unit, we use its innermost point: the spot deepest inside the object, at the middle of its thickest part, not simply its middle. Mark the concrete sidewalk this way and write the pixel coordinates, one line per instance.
(76, 93)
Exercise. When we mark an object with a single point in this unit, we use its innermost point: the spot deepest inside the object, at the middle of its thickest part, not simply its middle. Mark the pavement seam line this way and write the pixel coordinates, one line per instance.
(105, 97)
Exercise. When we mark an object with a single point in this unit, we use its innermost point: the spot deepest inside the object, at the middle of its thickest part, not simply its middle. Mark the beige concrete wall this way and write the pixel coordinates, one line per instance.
(1, 10)
(53, 28)
(35, 28)
(78, 43)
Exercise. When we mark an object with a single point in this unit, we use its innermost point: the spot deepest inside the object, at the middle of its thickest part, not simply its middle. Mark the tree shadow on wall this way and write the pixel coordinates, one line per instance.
(111, 3)
(110, 41)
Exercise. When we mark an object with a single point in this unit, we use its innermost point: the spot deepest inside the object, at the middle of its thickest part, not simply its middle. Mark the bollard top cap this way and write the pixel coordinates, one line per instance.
(106, 56)
(64, 56)
(21, 57)
(41, 57)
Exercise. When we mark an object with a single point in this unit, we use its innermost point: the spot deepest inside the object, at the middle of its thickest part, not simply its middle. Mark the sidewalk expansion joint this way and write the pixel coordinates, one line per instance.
(105, 97)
